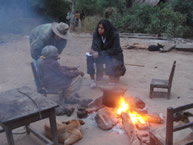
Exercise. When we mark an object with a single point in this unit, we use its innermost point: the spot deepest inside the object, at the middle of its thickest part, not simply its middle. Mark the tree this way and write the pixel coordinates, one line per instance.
(129, 3)
(73, 6)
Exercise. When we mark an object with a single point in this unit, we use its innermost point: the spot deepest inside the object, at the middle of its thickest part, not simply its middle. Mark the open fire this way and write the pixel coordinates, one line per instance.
(134, 119)
(134, 116)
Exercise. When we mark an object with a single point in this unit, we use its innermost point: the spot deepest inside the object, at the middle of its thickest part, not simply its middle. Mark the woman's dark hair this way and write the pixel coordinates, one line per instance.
(109, 29)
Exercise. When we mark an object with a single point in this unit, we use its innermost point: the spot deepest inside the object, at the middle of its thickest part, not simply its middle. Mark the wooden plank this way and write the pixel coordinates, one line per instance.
(14, 105)
(52, 119)
(9, 136)
(169, 126)
(185, 47)
(182, 108)
(143, 37)
(139, 34)
(40, 136)
(183, 126)
(2, 130)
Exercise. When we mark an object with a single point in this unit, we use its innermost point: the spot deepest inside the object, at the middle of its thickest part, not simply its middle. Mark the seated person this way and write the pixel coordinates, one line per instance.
(56, 77)
(106, 50)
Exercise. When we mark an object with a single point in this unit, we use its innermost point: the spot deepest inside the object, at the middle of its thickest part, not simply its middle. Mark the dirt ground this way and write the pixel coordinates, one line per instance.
(15, 71)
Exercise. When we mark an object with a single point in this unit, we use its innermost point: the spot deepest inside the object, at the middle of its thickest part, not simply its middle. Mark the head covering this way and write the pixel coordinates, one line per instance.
(49, 51)
(60, 29)
(108, 28)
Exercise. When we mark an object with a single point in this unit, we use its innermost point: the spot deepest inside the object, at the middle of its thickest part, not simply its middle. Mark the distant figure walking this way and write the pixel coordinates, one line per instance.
(82, 15)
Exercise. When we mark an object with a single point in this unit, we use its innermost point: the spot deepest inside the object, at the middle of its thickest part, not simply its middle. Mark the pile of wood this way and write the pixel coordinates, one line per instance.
(139, 134)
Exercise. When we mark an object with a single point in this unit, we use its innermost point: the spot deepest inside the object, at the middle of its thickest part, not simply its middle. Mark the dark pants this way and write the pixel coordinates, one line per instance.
(108, 61)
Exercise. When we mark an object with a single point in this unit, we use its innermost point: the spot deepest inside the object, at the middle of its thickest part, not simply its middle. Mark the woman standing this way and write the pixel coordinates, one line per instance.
(106, 50)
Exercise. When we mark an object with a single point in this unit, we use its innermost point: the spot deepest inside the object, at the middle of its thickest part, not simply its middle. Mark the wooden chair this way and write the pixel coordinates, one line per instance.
(165, 135)
(170, 129)
(165, 84)
(40, 88)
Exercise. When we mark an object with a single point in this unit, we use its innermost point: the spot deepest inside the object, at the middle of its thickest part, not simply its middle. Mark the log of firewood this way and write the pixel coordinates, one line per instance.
(106, 119)
(136, 137)
(153, 118)
(135, 102)
(129, 129)
(140, 111)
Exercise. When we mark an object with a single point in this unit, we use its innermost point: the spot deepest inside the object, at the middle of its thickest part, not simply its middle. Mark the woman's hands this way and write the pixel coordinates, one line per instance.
(75, 69)
(95, 54)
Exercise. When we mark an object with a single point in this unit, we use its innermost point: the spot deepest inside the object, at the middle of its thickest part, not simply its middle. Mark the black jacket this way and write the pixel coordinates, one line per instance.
(54, 76)
(111, 46)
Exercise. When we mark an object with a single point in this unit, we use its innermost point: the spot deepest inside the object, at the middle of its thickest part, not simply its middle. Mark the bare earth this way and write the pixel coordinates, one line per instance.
(15, 71)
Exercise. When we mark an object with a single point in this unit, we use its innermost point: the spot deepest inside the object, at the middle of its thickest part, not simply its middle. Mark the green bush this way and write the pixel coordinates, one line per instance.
(95, 7)
(109, 12)
(89, 6)
(147, 19)
(184, 7)
(89, 23)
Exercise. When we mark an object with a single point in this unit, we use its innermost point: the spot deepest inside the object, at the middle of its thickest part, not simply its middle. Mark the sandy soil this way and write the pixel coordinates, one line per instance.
(16, 71)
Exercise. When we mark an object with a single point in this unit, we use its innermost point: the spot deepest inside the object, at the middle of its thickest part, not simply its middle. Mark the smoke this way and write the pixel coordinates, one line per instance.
(18, 16)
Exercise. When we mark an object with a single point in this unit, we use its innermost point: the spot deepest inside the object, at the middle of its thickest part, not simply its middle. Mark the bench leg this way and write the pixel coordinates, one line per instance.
(169, 92)
(9, 136)
(52, 118)
(27, 130)
(151, 92)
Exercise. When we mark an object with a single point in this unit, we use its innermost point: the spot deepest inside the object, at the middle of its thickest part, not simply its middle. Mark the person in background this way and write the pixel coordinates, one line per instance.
(82, 17)
(69, 16)
(106, 50)
(77, 19)
(55, 34)
(55, 77)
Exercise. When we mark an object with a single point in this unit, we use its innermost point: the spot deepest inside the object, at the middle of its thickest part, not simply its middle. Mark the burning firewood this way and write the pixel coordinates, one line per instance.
(140, 111)
(152, 118)
(135, 102)
(136, 136)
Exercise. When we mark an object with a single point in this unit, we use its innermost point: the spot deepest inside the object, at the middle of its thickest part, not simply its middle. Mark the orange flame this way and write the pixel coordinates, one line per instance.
(134, 116)
(123, 106)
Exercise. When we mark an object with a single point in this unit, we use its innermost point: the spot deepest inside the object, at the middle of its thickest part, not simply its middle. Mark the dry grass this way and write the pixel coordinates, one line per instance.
(89, 24)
